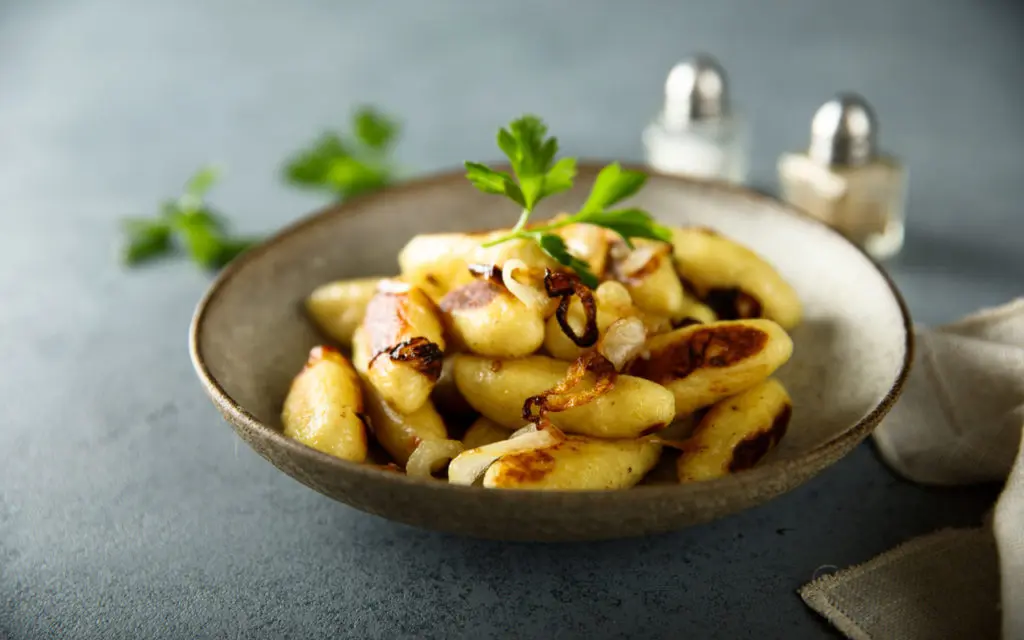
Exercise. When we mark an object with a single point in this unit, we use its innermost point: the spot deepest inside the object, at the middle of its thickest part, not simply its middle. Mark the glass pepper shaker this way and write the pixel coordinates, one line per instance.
(697, 134)
(843, 180)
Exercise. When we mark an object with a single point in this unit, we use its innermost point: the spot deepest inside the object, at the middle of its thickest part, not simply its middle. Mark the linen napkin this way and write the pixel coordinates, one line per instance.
(959, 421)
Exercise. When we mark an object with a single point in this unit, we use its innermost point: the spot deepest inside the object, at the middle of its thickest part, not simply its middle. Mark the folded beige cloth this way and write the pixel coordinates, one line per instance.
(959, 421)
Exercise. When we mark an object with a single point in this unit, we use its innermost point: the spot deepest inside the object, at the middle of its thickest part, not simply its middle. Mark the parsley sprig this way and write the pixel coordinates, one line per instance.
(347, 167)
(536, 175)
(184, 223)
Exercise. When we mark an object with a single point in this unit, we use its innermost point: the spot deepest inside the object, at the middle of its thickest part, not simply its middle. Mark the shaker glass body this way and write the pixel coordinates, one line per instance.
(714, 149)
(864, 202)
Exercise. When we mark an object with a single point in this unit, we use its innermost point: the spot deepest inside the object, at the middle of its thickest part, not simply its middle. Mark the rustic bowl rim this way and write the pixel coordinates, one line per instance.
(818, 458)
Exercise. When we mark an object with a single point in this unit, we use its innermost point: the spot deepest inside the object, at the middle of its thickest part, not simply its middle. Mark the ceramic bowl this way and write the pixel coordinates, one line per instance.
(250, 336)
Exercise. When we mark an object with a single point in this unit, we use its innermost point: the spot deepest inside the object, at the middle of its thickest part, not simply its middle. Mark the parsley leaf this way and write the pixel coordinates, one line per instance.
(524, 144)
(145, 240)
(231, 248)
(613, 185)
(201, 182)
(536, 175)
(531, 155)
(559, 177)
(201, 239)
(374, 129)
(185, 223)
(555, 247)
(353, 177)
(628, 223)
(490, 181)
(347, 167)
(311, 166)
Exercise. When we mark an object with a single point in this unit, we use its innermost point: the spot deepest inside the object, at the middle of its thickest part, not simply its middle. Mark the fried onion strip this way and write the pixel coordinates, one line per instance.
(564, 395)
(563, 285)
(419, 353)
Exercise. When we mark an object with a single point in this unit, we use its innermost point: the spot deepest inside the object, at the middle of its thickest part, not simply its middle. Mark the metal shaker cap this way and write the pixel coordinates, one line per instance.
(844, 131)
(695, 89)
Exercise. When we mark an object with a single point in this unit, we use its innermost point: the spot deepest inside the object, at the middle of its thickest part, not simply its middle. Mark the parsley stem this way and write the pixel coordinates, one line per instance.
(521, 223)
(518, 232)
(565, 222)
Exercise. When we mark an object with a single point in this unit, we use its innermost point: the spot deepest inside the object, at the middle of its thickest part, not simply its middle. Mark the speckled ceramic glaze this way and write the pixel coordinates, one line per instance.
(852, 352)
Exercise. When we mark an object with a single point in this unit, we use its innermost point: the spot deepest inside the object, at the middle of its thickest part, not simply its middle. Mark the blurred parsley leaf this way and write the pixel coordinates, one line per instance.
(145, 240)
(311, 166)
(184, 223)
(348, 167)
(374, 129)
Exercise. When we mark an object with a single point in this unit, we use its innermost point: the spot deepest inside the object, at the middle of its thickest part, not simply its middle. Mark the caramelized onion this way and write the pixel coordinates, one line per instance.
(469, 465)
(636, 262)
(623, 340)
(563, 285)
(430, 456)
(526, 292)
(530, 428)
(564, 395)
(419, 353)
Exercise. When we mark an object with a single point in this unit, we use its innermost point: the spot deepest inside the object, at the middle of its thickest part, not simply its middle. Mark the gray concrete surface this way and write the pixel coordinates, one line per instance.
(129, 510)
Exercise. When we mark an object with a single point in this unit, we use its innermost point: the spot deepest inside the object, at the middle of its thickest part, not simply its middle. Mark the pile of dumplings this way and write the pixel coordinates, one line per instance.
(497, 366)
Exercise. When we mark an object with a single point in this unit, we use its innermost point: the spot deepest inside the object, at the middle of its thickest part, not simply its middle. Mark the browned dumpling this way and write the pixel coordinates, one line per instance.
(736, 433)
(498, 389)
(736, 282)
(701, 364)
(324, 406)
(405, 345)
(338, 307)
(483, 317)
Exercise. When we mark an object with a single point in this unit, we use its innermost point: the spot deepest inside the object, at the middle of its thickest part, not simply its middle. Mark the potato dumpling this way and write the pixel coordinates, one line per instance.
(324, 406)
(613, 303)
(400, 433)
(485, 318)
(650, 276)
(736, 433)
(360, 350)
(484, 431)
(439, 262)
(576, 463)
(499, 388)
(697, 310)
(434, 262)
(733, 280)
(432, 456)
(406, 344)
(526, 250)
(704, 363)
(338, 307)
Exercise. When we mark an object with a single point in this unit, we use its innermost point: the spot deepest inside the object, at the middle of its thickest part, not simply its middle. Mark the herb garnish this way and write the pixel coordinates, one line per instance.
(186, 222)
(537, 175)
(348, 167)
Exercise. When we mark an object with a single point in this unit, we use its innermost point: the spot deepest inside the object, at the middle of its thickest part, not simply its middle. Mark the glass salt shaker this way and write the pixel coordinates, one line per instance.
(843, 180)
(697, 134)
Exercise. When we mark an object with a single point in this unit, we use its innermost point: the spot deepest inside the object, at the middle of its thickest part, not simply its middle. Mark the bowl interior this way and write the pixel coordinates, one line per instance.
(851, 351)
